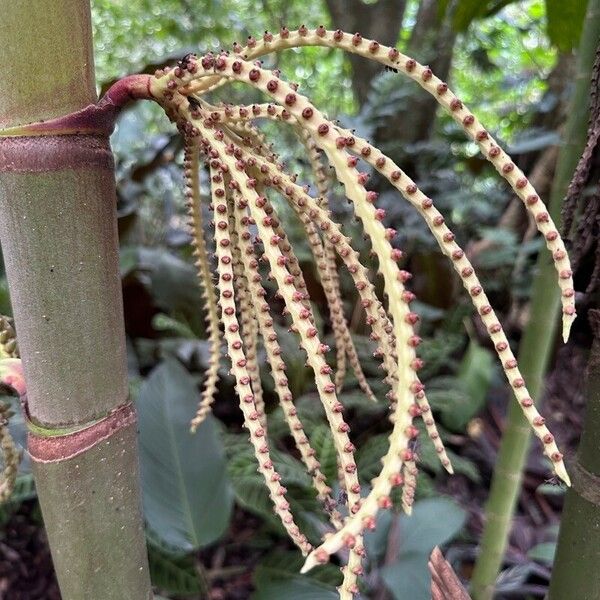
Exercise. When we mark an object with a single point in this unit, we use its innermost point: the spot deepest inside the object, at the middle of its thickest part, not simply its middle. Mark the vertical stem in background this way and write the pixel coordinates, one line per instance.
(576, 574)
(538, 339)
(59, 239)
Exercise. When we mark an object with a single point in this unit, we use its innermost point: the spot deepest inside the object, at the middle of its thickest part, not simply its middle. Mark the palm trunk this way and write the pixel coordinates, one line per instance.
(59, 239)
(536, 347)
(576, 574)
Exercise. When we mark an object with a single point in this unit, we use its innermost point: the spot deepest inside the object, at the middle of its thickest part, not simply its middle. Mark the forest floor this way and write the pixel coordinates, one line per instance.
(26, 571)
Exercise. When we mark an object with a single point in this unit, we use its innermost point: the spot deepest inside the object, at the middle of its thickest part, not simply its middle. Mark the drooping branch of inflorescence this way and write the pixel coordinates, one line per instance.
(244, 175)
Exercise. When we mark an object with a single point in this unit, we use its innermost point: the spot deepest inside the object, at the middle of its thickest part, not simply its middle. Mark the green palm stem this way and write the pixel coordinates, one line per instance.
(59, 239)
(576, 574)
(536, 346)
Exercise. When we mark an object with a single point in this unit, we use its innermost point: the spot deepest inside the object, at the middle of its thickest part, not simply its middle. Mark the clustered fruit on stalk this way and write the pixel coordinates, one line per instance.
(243, 172)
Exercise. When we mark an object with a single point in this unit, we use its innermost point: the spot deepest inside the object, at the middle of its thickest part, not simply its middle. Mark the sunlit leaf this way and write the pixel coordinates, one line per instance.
(565, 21)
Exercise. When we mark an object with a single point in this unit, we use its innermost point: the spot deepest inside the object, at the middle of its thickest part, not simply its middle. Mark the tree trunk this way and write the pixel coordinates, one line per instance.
(538, 339)
(59, 239)
(431, 42)
(381, 21)
(576, 574)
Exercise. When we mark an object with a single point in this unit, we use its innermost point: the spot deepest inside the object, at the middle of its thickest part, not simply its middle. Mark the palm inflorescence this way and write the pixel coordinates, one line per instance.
(245, 178)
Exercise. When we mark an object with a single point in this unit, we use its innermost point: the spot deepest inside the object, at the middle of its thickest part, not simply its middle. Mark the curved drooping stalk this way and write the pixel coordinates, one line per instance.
(299, 199)
(238, 362)
(292, 190)
(248, 323)
(392, 462)
(194, 211)
(536, 348)
(245, 173)
(422, 75)
(323, 253)
(445, 238)
(465, 270)
(265, 323)
(344, 346)
(302, 325)
(322, 134)
(308, 454)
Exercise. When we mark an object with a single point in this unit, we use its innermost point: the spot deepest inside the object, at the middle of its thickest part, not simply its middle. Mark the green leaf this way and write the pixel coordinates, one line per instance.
(549, 489)
(282, 565)
(464, 466)
(251, 491)
(475, 375)
(467, 11)
(278, 577)
(242, 462)
(565, 22)
(460, 399)
(171, 281)
(162, 322)
(376, 541)
(165, 548)
(24, 490)
(543, 553)
(323, 444)
(408, 578)
(368, 456)
(187, 497)
(175, 575)
(433, 522)
(296, 587)
(310, 413)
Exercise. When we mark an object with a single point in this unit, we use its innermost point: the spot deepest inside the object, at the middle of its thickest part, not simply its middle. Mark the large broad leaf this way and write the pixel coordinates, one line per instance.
(187, 497)
(408, 578)
(369, 454)
(475, 374)
(433, 522)
(171, 281)
(565, 22)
